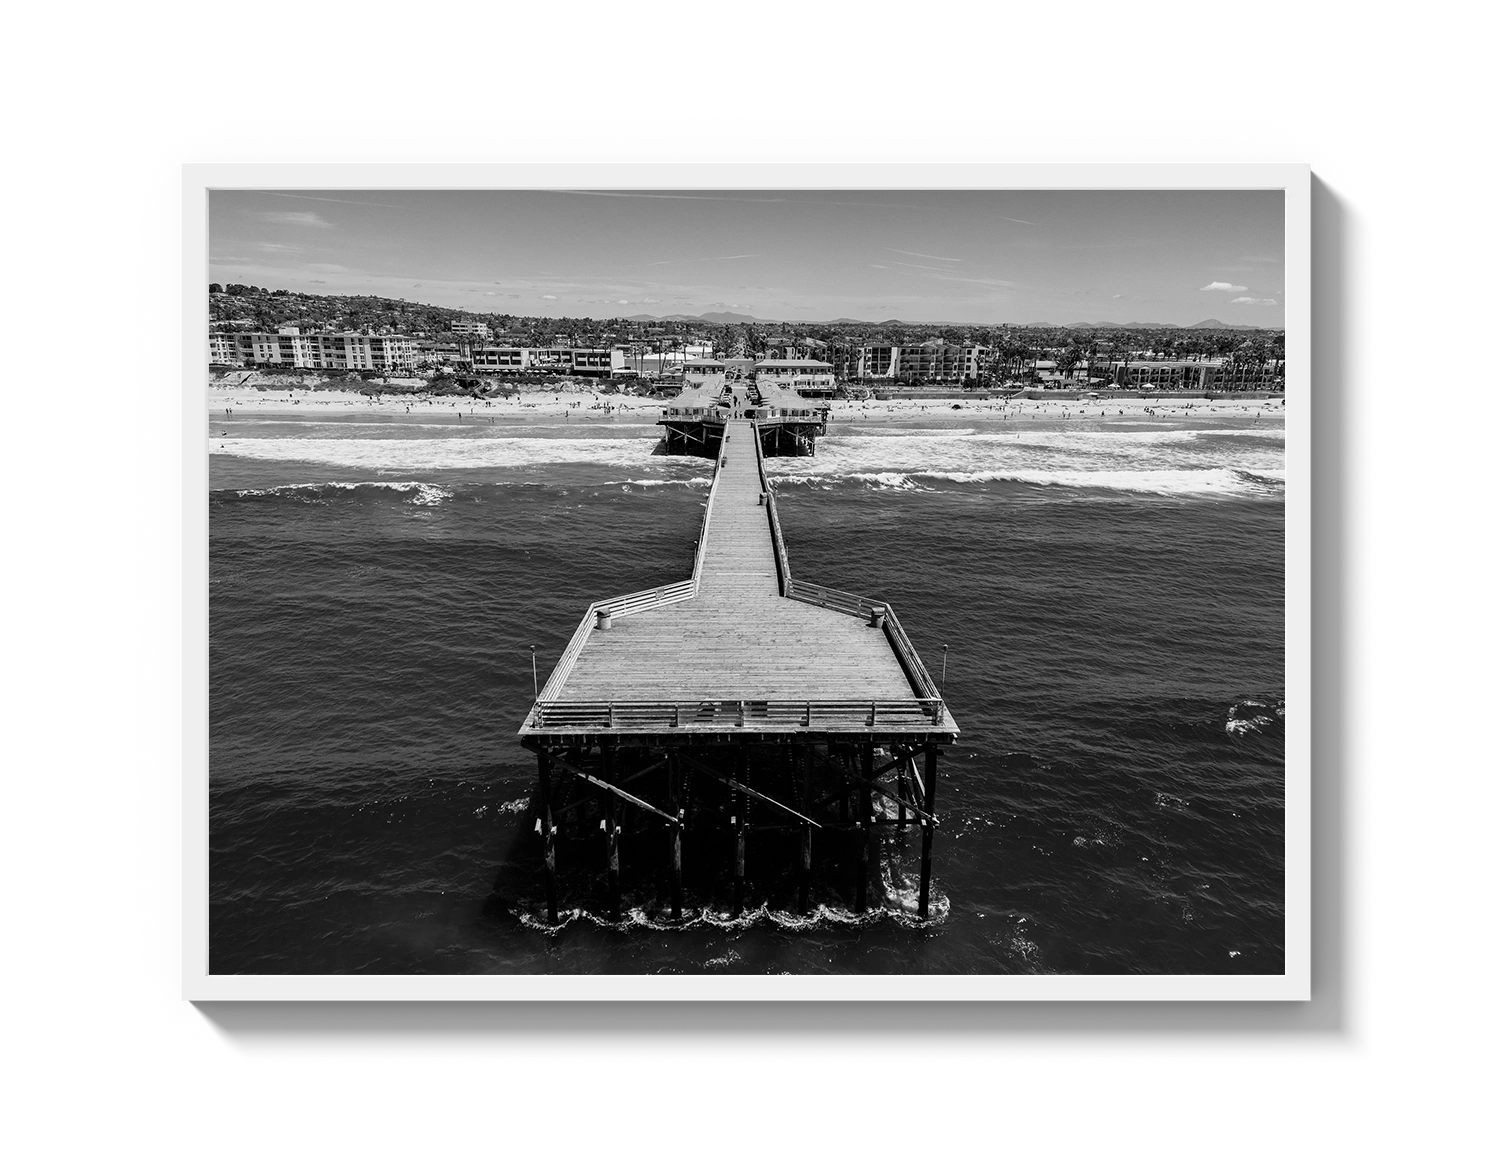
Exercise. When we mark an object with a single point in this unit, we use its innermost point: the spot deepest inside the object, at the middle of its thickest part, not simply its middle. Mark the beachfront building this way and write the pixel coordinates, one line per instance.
(362, 351)
(550, 359)
(878, 360)
(222, 351)
(811, 379)
(289, 347)
(593, 362)
(1214, 376)
(498, 359)
(931, 361)
(1250, 378)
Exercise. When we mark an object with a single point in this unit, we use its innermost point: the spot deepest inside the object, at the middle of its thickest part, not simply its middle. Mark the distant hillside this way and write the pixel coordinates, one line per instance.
(236, 307)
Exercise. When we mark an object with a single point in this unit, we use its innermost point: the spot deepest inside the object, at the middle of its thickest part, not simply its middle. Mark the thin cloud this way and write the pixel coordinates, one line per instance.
(741, 199)
(668, 195)
(986, 281)
(925, 255)
(330, 199)
(1013, 219)
(923, 267)
(295, 218)
(1252, 301)
(705, 259)
(1222, 286)
(548, 297)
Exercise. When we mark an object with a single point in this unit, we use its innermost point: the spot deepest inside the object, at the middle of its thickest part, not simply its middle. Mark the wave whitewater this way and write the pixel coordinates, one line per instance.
(423, 495)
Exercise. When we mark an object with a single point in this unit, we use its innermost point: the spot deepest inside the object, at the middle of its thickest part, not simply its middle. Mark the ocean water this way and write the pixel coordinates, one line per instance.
(1110, 590)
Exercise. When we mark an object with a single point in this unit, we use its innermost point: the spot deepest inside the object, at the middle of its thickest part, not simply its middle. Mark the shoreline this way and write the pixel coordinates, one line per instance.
(587, 404)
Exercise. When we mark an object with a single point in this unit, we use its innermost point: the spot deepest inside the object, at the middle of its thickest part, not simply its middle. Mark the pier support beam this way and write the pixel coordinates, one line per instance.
(903, 792)
(738, 802)
(549, 835)
(929, 802)
(864, 811)
(612, 827)
(674, 800)
(804, 875)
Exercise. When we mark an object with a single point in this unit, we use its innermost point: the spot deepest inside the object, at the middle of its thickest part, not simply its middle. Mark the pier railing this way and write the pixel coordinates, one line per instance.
(626, 603)
(865, 607)
(740, 713)
(783, 566)
(708, 515)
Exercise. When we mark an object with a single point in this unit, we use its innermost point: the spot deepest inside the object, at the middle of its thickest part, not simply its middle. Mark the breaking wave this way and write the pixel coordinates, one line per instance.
(1252, 715)
(423, 495)
(896, 911)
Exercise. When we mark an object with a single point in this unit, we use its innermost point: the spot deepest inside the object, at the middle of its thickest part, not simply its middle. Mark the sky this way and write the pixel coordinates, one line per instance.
(984, 257)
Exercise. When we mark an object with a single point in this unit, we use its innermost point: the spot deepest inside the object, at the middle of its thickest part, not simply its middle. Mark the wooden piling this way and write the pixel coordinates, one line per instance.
(865, 813)
(739, 802)
(612, 827)
(674, 801)
(903, 791)
(804, 878)
(549, 835)
(929, 784)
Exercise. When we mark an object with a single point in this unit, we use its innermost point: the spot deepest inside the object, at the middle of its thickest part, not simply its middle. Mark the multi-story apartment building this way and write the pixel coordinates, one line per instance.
(879, 359)
(291, 348)
(1181, 377)
(469, 329)
(551, 358)
(492, 359)
(222, 351)
(931, 361)
(592, 361)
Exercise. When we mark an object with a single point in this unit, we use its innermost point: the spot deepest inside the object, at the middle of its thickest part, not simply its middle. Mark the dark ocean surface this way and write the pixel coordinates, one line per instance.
(1111, 593)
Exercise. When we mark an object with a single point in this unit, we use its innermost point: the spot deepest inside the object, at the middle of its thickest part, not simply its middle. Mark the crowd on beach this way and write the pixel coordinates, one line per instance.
(568, 402)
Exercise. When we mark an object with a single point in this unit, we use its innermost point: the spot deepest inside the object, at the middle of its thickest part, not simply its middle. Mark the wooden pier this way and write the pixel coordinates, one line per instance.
(739, 701)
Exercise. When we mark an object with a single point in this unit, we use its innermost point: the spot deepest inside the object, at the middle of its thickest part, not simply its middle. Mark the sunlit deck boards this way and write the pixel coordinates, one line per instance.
(740, 640)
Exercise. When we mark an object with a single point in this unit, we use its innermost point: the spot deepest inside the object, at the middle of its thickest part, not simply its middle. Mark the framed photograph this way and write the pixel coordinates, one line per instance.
(744, 582)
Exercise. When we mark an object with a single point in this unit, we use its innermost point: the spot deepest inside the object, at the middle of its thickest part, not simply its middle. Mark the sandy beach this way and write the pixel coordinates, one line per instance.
(589, 403)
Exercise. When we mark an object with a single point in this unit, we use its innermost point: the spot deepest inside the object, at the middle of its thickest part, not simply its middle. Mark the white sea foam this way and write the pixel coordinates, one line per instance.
(1169, 460)
(427, 495)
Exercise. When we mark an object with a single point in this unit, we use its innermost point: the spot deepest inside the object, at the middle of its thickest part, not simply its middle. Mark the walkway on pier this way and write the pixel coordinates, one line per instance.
(730, 637)
(739, 638)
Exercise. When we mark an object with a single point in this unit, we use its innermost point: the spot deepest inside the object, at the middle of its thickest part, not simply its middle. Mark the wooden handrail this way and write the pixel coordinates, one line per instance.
(855, 605)
(708, 512)
(737, 712)
(783, 565)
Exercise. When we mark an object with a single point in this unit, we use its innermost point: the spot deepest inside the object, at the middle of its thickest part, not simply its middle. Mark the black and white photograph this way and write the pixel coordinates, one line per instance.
(707, 581)
(771, 586)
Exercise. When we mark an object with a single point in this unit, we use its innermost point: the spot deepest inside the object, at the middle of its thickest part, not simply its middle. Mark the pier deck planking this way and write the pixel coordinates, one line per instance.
(739, 638)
